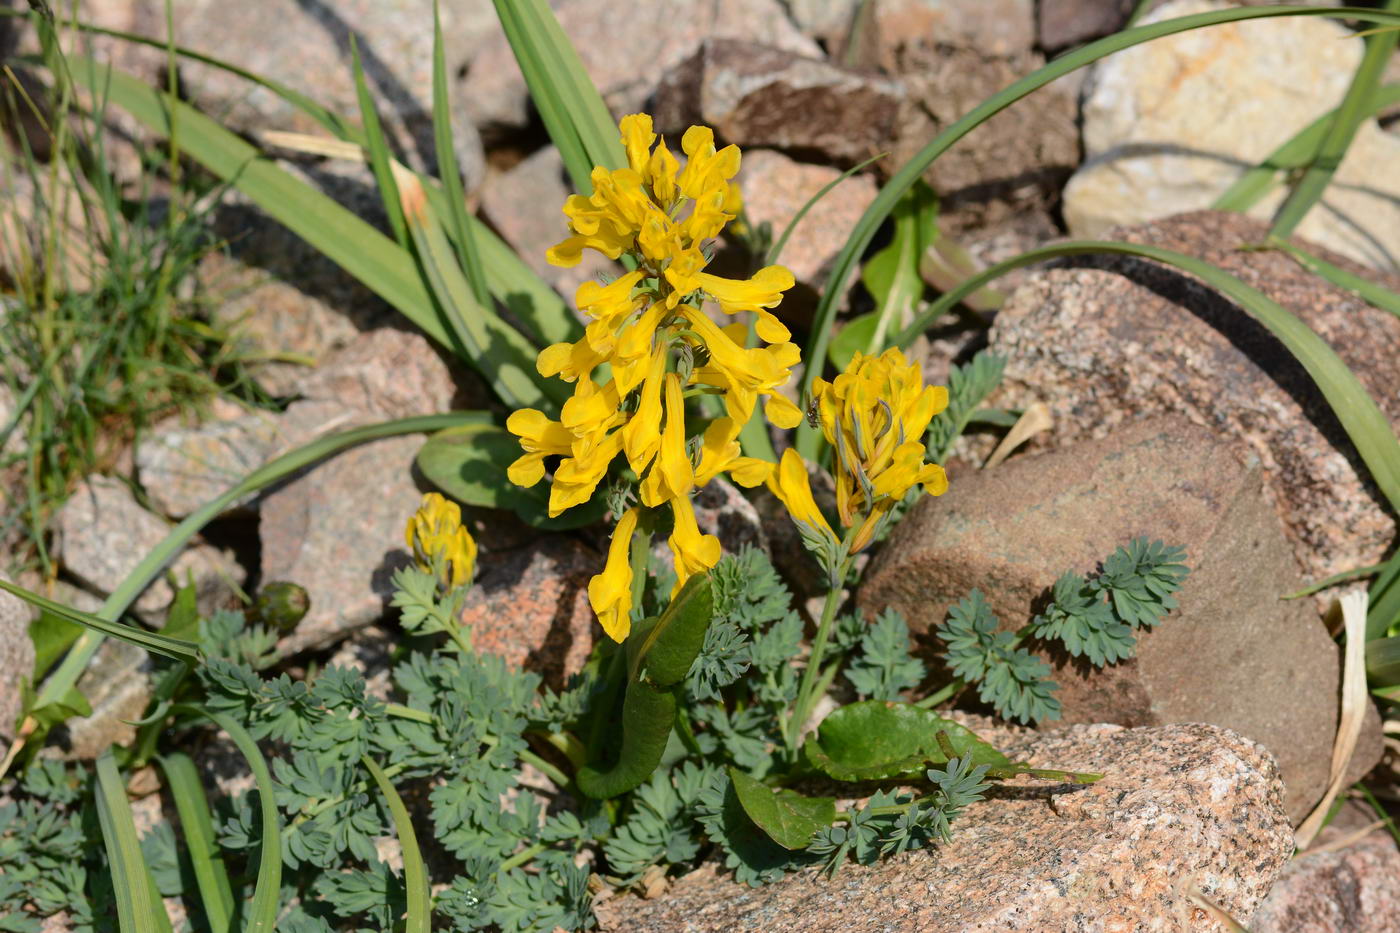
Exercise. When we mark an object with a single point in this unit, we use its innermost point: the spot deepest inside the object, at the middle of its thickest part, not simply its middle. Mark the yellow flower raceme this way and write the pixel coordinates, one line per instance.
(793, 488)
(439, 541)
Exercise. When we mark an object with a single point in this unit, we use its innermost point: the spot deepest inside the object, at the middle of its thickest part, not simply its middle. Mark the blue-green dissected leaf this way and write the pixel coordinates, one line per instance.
(788, 818)
(875, 740)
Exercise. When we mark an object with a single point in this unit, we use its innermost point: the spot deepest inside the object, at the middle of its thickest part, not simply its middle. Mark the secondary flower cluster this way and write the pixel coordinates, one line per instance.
(649, 346)
(440, 543)
(874, 415)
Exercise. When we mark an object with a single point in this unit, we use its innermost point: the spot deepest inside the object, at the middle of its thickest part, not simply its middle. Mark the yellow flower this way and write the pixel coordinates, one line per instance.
(720, 453)
(440, 542)
(792, 486)
(673, 476)
(693, 551)
(539, 438)
(610, 592)
(874, 415)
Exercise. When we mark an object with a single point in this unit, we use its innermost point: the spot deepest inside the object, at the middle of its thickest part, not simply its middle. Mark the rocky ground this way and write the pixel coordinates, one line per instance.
(1175, 416)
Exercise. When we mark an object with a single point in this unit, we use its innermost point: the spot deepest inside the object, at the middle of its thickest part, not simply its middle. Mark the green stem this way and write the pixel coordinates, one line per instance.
(559, 778)
(521, 857)
(801, 708)
(567, 744)
(943, 695)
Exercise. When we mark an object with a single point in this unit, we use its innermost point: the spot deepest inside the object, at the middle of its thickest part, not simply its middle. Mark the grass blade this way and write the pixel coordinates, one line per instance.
(1251, 187)
(415, 875)
(156, 643)
(499, 352)
(1340, 132)
(267, 893)
(808, 439)
(448, 169)
(1373, 294)
(139, 907)
(1365, 423)
(216, 893)
(66, 675)
(1384, 615)
(377, 149)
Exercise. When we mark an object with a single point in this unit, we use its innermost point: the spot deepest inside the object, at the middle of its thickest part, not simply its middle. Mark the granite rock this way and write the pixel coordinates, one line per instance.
(1351, 889)
(996, 27)
(625, 48)
(117, 684)
(380, 374)
(1179, 806)
(1108, 341)
(1012, 531)
(756, 95)
(1062, 23)
(337, 529)
(525, 206)
(103, 533)
(530, 606)
(1170, 125)
(16, 658)
(775, 188)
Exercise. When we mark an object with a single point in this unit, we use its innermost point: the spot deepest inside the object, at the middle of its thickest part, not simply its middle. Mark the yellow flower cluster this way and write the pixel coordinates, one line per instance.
(874, 415)
(440, 542)
(659, 347)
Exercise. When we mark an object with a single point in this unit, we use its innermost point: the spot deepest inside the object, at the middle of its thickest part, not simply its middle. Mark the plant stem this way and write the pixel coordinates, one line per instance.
(521, 857)
(949, 689)
(560, 779)
(567, 744)
(801, 708)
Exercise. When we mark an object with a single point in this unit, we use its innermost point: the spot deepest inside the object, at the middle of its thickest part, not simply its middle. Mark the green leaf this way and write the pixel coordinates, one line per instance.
(876, 740)
(808, 439)
(892, 275)
(158, 644)
(669, 648)
(415, 875)
(469, 463)
(216, 893)
(857, 334)
(647, 717)
(788, 818)
(50, 714)
(377, 149)
(1383, 618)
(139, 908)
(182, 618)
(1376, 295)
(1366, 425)
(52, 635)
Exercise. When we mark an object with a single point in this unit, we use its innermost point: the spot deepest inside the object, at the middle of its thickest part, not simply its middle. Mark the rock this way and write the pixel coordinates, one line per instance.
(1170, 125)
(1352, 889)
(102, 534)
(117, 684)
(1012, 531)
(1062, 23)
(997, 27)
(1117, 340)
(1015, 163)
(525, 206)
(756, 95)
(337, 529)
(530, 606)
(625, 48)
(1178, 805)
(775, 187)
(379, 375)
(16, 658)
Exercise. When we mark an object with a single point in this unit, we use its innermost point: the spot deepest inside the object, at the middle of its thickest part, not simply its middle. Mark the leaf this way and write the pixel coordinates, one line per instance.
(469, 463)
(216, 894)
(854, 337)
(415, 875)
(159, 644)
(647, 717)
(875, 740)
(892, 275)
(788, 818)
(139, 907)
(52, 635)
(808, 439)
(669, 648)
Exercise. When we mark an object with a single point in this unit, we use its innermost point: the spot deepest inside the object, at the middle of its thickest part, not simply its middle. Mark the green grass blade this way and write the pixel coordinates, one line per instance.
(377, 149)
(415, 875)
(66, 675)
(159, 644)
(1251, 187)
(216, 893)
(1375, 295)
(777, 248)
(450, 172)
(1365, 423)
(139, 907)
(808, 439)
(1383, 618)
(500, 353)
(267, 893)
(364, 252)
(1340, 132)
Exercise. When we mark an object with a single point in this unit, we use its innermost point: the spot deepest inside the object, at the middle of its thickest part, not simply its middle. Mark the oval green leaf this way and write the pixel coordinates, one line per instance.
(788, 818)
(875, 740)
(669, 647)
